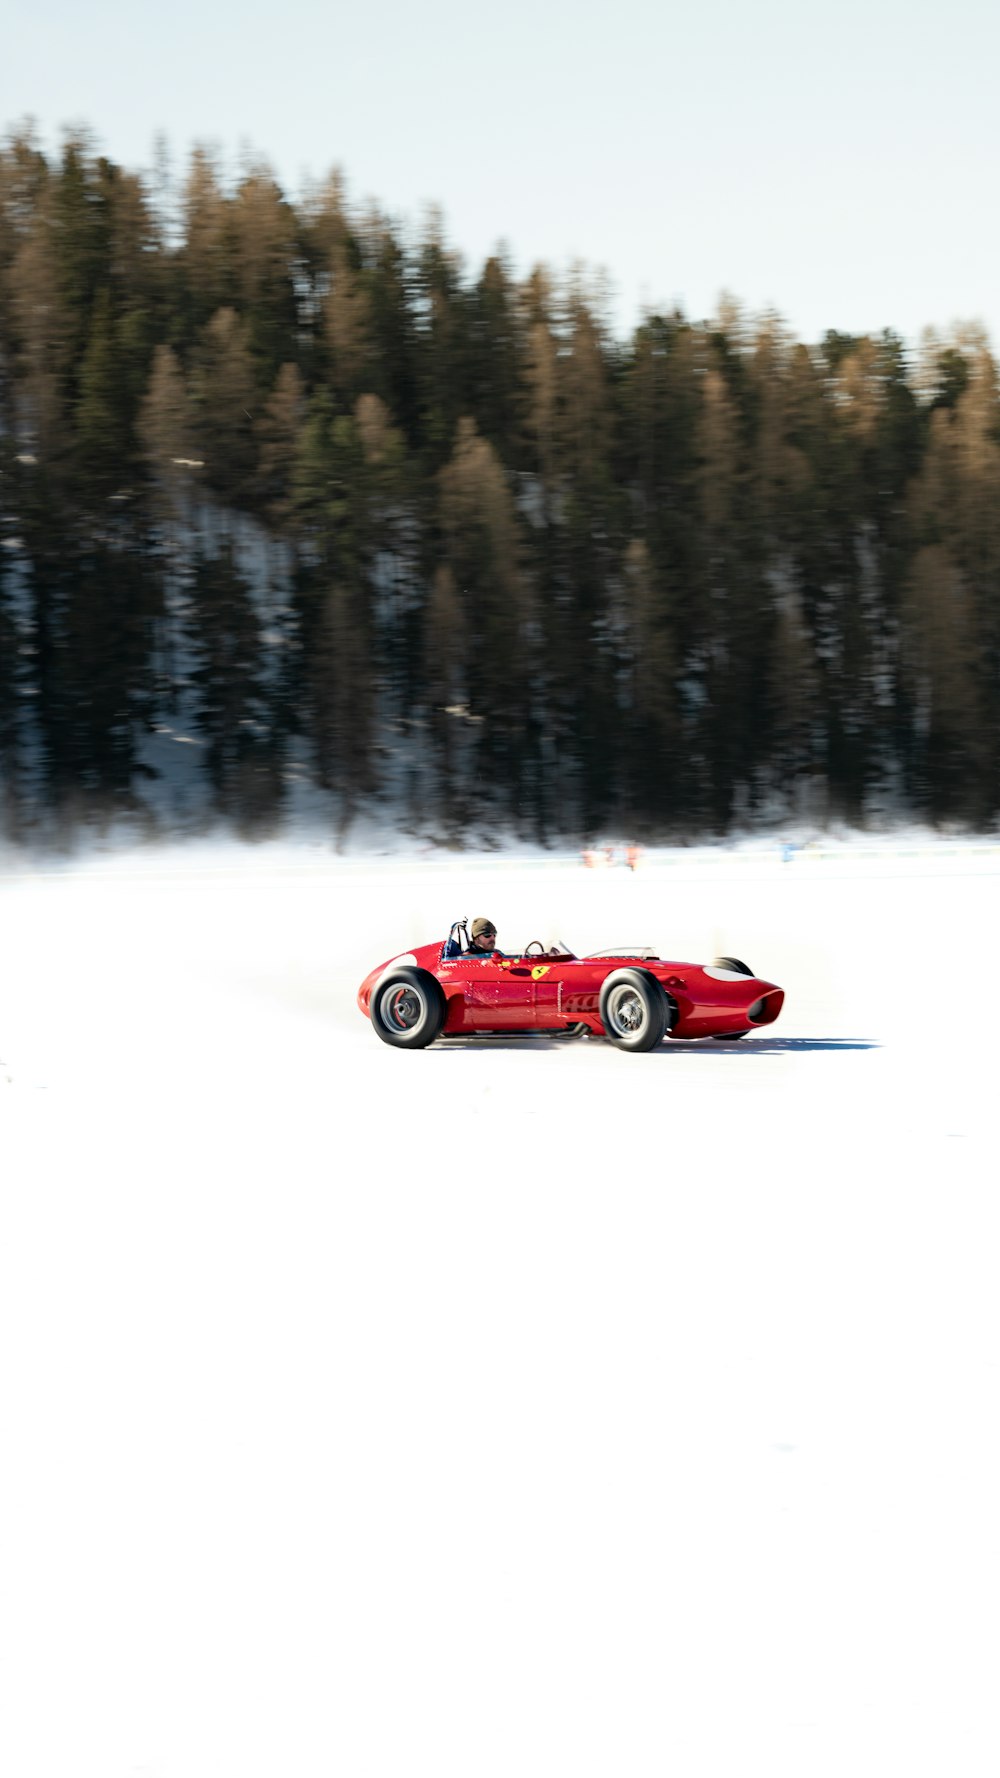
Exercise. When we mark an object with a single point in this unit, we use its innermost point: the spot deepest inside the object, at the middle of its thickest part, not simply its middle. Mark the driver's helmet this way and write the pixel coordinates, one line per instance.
(482, 928)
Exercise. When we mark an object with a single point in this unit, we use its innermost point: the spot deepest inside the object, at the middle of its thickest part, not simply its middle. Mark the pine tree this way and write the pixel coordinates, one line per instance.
(445, 689)
(265, 254)
(39, 344)
(341, 671)
(167, 426)
(939, 662)
(481, 540)
(243, 765)
(204, 270)
(649, 750)
(726, 645)
(347, 324)
(102, 432)
(278, 433)
(226, 396)
(586, 559)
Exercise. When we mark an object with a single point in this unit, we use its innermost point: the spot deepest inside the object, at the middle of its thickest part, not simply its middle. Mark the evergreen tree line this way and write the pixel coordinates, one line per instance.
(286, 483)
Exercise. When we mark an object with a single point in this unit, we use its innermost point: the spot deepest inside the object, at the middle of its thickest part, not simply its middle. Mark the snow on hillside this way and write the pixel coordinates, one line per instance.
(518, 1406)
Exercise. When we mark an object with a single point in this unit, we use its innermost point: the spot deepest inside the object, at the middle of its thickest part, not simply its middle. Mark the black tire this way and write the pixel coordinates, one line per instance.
(633, 1010)
(407, 1008)
(729, 1036)
(731, 963)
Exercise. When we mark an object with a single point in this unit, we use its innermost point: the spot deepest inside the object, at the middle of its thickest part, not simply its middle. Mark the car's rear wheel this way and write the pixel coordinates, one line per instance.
(633, 1010)
(407, 1009)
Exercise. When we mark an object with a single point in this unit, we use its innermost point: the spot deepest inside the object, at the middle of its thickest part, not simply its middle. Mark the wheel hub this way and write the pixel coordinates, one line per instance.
(403, 1009)
(627, 1011)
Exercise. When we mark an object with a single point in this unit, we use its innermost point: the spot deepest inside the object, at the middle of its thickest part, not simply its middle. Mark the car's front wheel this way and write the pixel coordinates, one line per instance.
(407, 1009)
(633, 1010)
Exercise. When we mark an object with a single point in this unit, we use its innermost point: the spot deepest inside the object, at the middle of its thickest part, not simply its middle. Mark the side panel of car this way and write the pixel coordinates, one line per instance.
(501, 1000)
(567, 992)
(520, 993)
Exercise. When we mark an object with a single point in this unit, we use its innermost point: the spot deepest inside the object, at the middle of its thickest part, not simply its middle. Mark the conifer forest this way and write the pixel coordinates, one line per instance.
(295, 503)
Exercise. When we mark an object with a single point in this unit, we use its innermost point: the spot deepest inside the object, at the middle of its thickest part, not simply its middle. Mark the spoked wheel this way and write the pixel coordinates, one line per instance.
(626, 1012)
(407, 1009)
(633, 1010)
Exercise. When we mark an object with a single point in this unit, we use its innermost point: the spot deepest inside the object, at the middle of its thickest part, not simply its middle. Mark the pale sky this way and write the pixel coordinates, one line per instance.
(837, 163)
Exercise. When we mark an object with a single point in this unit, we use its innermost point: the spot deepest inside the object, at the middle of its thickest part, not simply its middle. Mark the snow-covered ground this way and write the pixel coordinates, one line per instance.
(522, 1408)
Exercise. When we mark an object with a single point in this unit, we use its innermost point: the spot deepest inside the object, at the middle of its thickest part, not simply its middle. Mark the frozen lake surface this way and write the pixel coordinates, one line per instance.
(521, 1407)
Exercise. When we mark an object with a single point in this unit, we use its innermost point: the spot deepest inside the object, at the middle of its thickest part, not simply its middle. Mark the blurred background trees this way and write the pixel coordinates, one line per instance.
(290, 498)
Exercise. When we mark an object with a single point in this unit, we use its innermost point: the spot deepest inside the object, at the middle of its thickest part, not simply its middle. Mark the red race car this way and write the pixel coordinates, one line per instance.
(627, 994)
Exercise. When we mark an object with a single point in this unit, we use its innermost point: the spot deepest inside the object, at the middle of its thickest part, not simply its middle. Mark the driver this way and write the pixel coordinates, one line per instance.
(483, 941)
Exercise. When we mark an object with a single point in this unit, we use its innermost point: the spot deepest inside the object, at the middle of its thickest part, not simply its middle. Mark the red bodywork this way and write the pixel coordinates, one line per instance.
(557, 990)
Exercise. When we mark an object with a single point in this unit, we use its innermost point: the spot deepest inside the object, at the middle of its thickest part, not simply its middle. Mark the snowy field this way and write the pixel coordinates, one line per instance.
(499, 1411)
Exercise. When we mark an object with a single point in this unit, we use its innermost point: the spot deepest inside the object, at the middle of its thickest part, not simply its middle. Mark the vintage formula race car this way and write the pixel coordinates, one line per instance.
(626, 994)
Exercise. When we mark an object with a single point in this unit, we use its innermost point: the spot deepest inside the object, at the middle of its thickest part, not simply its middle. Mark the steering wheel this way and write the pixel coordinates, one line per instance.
(535, 941)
